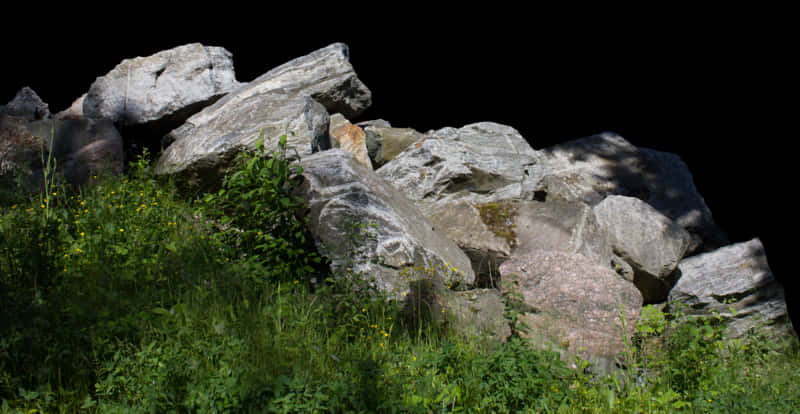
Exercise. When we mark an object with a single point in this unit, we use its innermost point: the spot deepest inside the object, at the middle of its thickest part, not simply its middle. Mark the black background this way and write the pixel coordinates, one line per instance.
(709, 85)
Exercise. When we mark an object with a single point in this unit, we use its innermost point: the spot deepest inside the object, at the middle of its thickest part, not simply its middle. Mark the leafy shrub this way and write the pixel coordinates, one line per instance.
(258, 214)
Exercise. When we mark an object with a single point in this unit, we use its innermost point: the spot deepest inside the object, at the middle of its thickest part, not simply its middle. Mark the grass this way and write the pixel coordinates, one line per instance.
(125, 296)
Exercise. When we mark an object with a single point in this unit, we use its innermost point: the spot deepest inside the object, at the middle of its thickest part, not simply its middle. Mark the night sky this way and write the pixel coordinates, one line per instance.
(708, 87)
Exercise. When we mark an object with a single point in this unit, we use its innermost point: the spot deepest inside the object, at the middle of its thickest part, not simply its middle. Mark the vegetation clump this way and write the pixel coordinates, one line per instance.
(499, 217)
(125, 296)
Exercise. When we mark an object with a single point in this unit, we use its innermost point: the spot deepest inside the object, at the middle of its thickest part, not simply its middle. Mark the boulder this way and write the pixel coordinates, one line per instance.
(479, 162)
(344, 194)
(201, 152)
(26, 104)
(574, 305)
(294, 98)
(591, 168)
(165, 87)
(452, 173)
(384, 143)
(566, 226)
(736, 282)
(80, 148)
(647, 240)
(348, 137)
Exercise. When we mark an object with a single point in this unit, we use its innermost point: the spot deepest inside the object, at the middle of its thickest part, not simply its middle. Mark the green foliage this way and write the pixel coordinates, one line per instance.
(121, 298)
(260, 217)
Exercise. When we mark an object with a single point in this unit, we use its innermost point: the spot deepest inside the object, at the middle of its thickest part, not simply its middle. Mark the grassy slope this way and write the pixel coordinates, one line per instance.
(127, 297)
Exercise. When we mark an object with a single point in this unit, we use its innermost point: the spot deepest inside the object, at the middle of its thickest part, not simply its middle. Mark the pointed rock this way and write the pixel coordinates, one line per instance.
(26, 104)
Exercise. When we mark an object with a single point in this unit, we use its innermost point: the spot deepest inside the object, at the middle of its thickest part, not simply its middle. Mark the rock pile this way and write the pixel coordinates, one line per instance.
(591, 230)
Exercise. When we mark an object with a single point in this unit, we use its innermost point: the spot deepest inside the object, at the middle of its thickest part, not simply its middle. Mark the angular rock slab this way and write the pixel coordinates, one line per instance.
(575, 305)
(342, 193)
(591, 168)
(647, 240)
(482, 162)
(299, 93)
(170, 83)
(200, 151)
(734, 277)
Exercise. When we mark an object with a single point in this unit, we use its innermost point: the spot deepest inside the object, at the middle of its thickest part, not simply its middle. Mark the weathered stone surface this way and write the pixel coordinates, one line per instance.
(299, 93)
(200, 151)
(26, 104)
(591, 168)
(461, 222)
(647, 240)
(342, 192)
(172, 83)
(384, 143)
(478, 313)
(464, 168)
(566, 226)
(80, 148)
(348, 137)
(74, 112)
(482, 162)
(574, 304)
(734, 277)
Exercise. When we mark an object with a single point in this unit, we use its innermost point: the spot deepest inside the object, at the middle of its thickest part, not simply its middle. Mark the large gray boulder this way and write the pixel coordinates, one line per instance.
(735, 282)
(294, 98)
(480, 162)
(200, 152)
(26, 104)
(452, 174)
(566, 226)
(592, 168)
(647, 240)
(80, 148)
(574, 305)
(342, 194)
(165, 87)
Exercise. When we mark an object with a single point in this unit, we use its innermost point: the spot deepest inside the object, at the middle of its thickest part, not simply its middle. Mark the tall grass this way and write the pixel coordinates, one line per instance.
(126, 296)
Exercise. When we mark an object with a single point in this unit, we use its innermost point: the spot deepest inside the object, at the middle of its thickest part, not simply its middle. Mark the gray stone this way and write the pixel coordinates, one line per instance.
(566, 226)
(573, 305)
(200, 151)
(294, 98)
(482, 162)
(647, 240)
(343, 193)
(478, 313)
(80, 148)
(384, 143)
(165, 87)
(591, 168)
(26, 104)
(736, 282)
